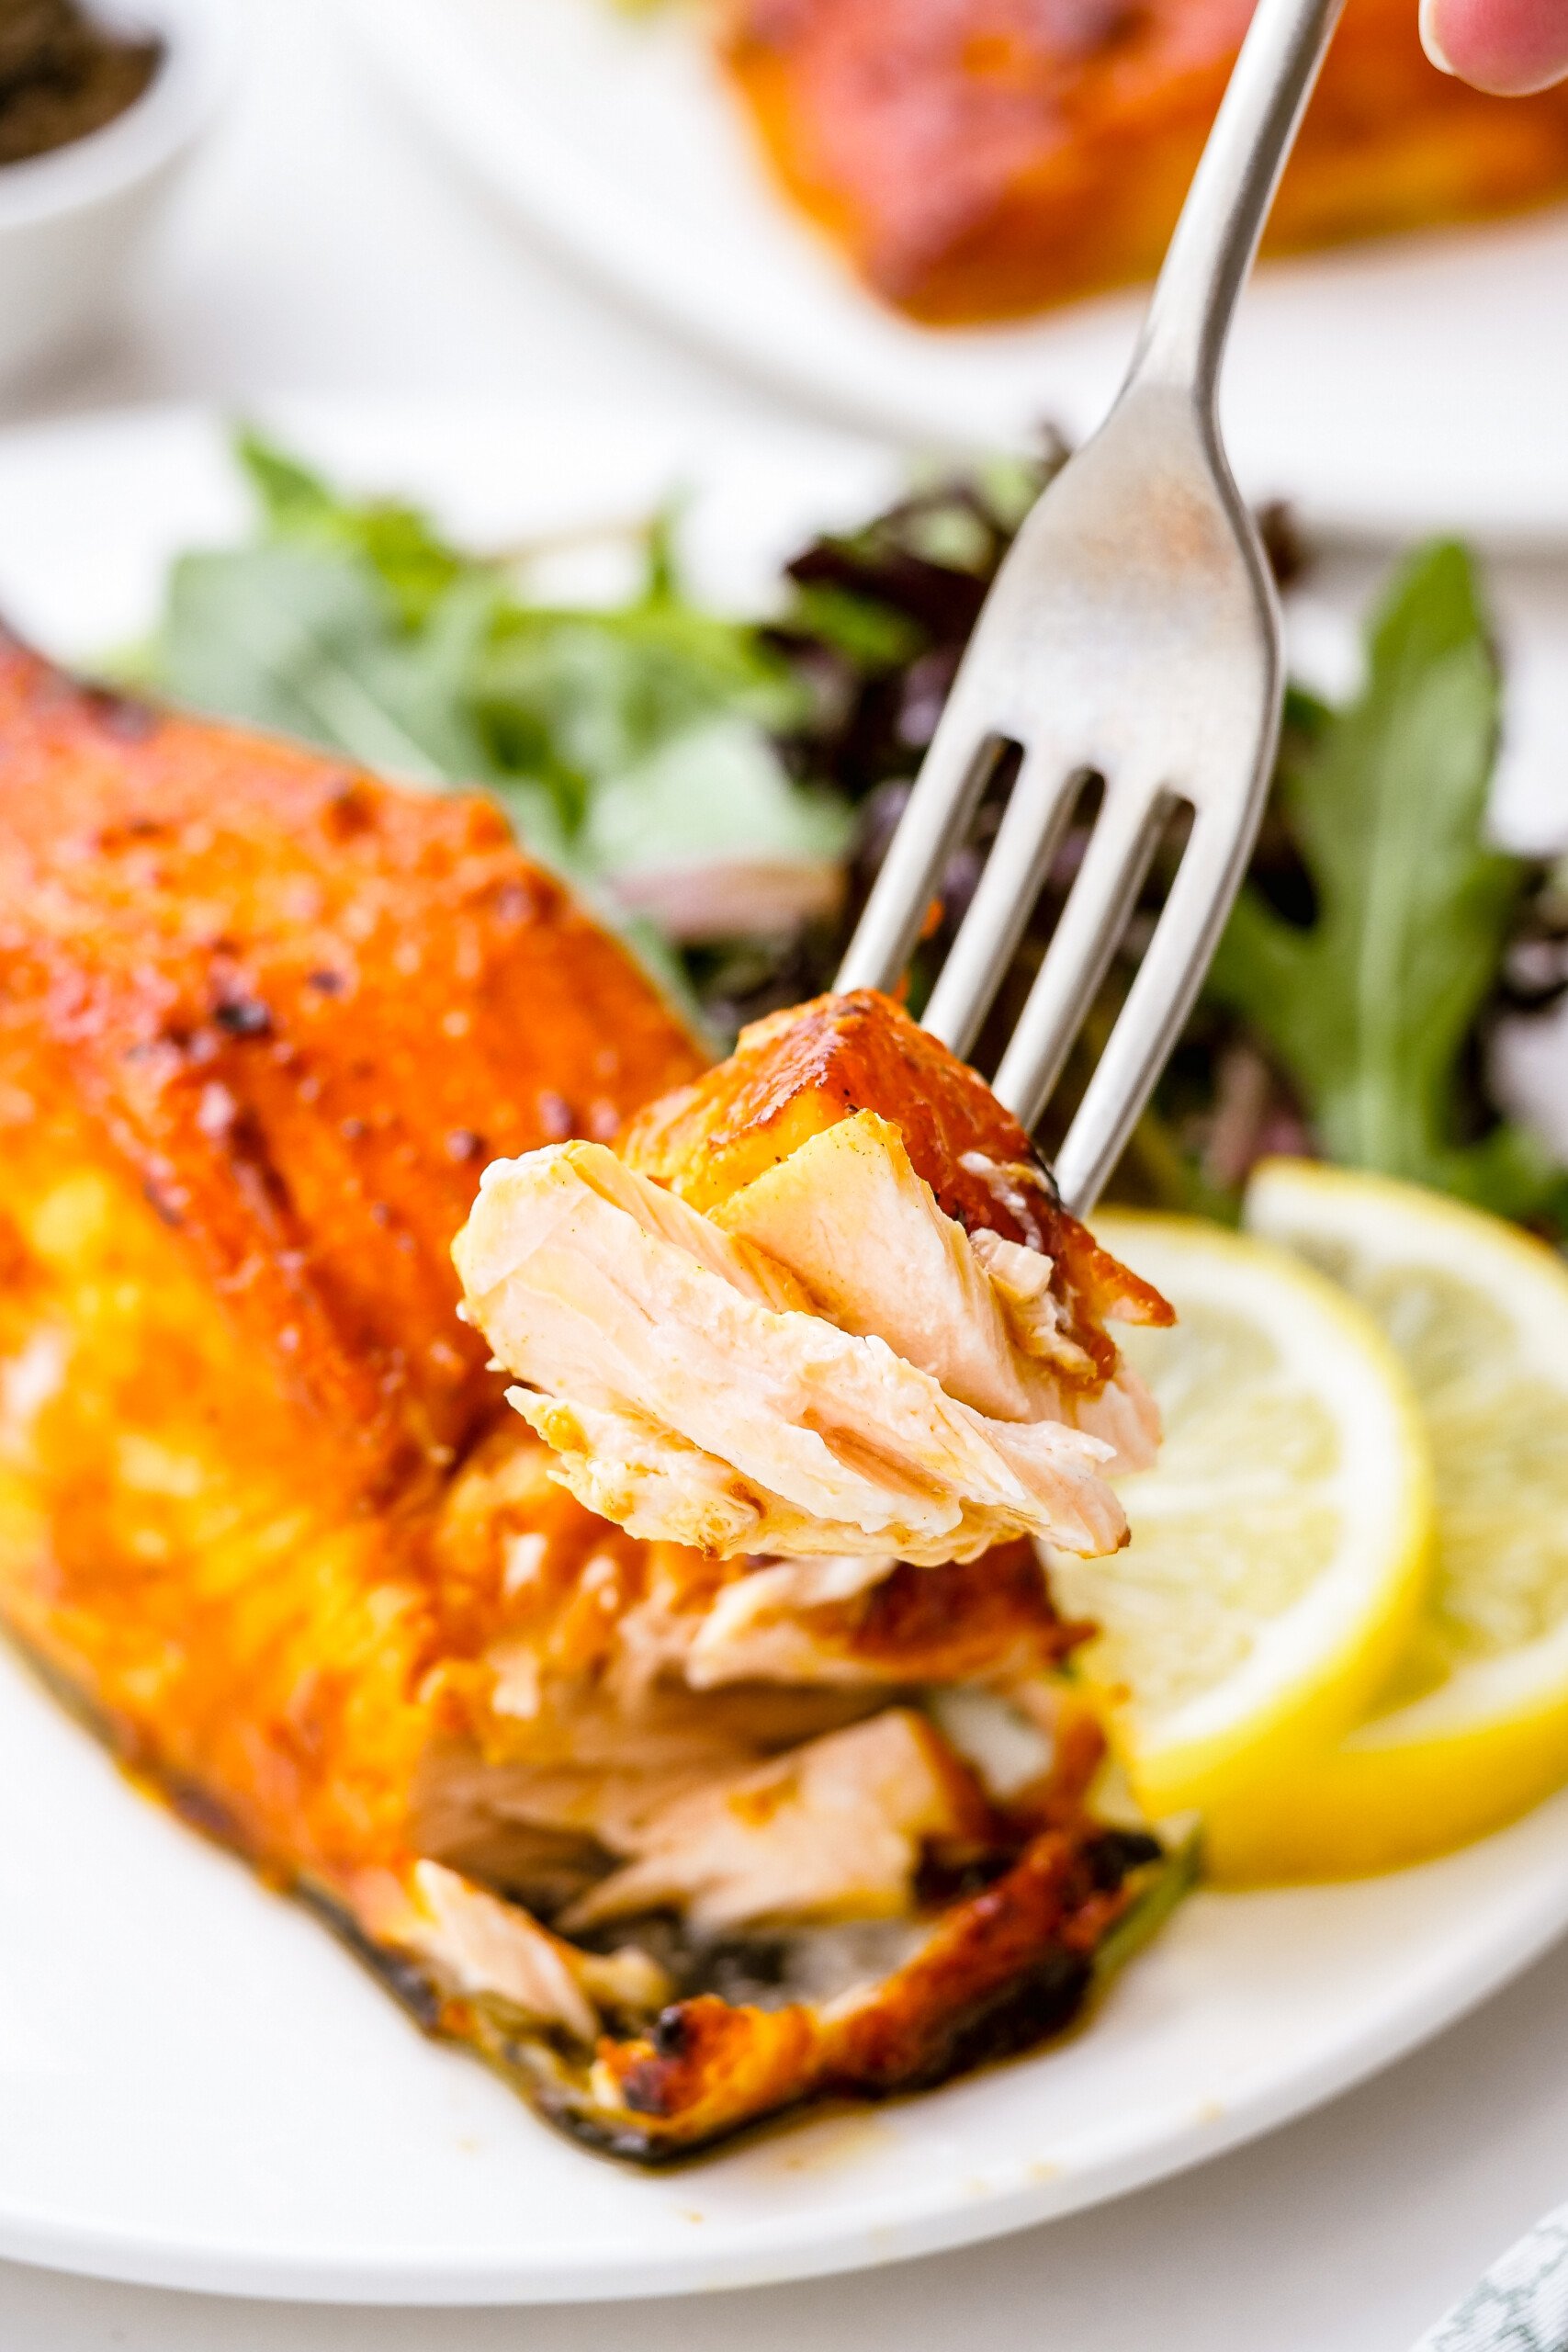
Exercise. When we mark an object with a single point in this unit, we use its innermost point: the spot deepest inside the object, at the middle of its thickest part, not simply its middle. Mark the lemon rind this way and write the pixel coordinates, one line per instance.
(1313, 1673)
(1497, 1689)
(1492, 1741)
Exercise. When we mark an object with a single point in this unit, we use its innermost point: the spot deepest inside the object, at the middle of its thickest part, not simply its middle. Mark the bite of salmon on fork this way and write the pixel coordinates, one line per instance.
(823, 1299)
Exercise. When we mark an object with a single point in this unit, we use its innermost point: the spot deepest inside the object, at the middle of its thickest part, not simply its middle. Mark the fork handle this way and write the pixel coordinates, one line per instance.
(1211, 252)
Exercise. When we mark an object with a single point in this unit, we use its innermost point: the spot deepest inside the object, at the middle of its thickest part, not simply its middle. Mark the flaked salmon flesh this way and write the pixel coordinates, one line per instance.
(827, 1364)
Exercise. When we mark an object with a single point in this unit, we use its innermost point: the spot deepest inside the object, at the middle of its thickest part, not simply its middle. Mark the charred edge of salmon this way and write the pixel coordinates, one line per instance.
(1049, 1991)
(403, 1978)
(1129, 1886)
(1052, 1992)
(68, 1693)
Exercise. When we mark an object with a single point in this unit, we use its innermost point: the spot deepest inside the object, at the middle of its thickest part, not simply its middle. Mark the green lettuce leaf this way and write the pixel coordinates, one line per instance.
(637, 737)
(305, 639)
(413, 564)
(1370, 1005)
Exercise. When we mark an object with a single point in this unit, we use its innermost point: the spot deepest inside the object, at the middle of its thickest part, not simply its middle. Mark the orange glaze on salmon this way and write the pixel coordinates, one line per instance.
(982, 159)
(266, 1516)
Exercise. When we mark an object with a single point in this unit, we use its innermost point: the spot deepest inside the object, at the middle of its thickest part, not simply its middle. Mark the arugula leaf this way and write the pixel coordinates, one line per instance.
(716, 791)
(1371, 1005)
(584, 695)
(413, 564)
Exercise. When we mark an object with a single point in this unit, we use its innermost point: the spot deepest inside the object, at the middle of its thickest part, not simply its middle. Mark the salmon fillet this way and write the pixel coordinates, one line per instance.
(266, 1520)
(982, 159)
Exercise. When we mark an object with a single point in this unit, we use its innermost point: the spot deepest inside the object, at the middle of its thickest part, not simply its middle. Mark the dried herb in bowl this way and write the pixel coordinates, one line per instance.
(63, 75)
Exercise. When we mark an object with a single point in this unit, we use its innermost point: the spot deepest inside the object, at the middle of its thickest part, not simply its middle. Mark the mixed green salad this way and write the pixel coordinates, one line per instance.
(726, 788)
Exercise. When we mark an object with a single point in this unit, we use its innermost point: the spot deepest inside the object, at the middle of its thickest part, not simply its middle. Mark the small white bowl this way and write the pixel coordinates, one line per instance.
(70, 220)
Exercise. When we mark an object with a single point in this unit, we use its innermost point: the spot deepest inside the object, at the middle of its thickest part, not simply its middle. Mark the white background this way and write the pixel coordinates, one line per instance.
(318, 246)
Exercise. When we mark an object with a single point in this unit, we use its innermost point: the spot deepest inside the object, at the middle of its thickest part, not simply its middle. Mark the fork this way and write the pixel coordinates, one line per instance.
(1132, 634)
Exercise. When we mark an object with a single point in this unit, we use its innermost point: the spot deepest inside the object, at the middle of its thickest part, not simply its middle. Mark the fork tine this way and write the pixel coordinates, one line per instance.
(1081, 947)
(952, 776)
(1157, 1004)
(1036, 814)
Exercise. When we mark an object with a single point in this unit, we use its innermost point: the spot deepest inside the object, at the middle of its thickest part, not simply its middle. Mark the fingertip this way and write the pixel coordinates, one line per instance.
(1507, 47)
(1431, 39)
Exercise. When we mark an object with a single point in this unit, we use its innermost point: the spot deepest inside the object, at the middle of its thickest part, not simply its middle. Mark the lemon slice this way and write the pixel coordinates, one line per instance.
(1280, 1546)
(1475, 1727)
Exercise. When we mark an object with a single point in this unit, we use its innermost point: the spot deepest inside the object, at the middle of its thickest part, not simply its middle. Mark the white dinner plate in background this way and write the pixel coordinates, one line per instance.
(1368, 382)
(199, 2087)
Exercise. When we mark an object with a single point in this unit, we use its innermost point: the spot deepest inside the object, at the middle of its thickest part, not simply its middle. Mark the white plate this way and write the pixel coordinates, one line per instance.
(200, 2089)
(1404, 384)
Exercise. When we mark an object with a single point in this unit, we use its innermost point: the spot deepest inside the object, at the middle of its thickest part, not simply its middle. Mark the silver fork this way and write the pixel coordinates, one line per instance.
(1131, 633)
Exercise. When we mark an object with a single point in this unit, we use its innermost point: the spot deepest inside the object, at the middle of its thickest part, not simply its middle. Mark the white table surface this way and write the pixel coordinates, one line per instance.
(319, 246)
